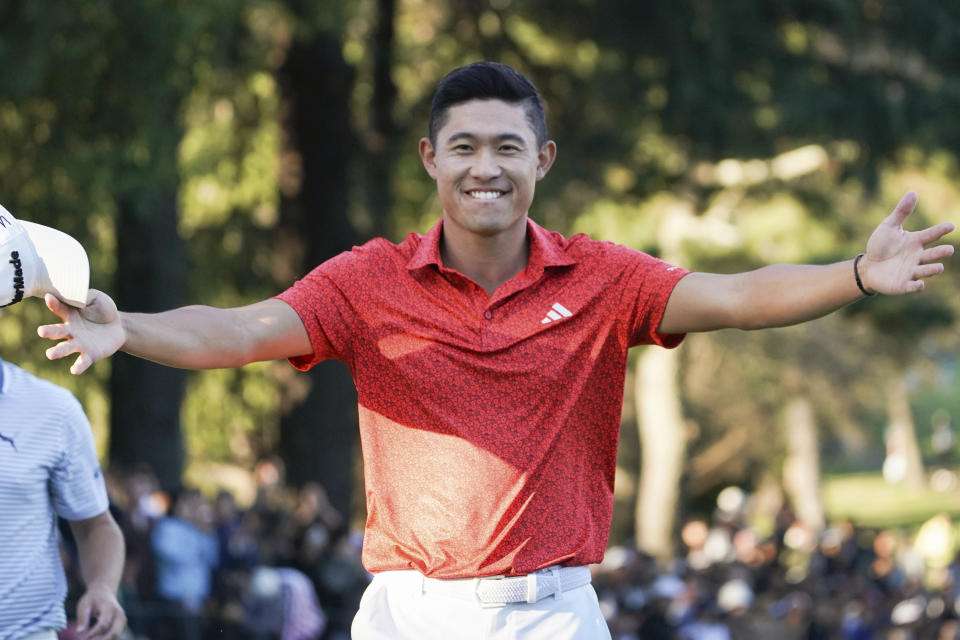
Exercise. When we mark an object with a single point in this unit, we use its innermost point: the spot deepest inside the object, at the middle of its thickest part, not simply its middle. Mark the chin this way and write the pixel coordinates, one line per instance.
(492, 227)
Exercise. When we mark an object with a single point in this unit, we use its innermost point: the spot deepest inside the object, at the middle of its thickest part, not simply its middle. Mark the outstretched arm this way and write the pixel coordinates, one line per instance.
(195, 337)
(896, 262)
(101, 551)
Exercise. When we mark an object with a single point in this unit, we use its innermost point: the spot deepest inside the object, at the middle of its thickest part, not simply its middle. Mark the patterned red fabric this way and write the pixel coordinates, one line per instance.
(489, 425)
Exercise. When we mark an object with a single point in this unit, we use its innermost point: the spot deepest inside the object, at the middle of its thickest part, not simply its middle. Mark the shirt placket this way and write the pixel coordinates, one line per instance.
(480, 304)
(487, 319)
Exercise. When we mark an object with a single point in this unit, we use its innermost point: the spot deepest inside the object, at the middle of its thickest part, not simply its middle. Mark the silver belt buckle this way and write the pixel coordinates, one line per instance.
(547, 584)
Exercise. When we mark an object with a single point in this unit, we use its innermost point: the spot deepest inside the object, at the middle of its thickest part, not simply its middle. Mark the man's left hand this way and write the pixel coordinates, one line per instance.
(896, 260)
(100, 603)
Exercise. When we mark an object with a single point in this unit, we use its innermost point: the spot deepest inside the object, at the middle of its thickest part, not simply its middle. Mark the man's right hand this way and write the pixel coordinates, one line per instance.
(94, 332)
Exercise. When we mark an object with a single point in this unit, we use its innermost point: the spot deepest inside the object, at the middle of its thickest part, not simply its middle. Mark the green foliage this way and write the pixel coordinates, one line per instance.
(84, 120)
(231, 415)
(720, 135)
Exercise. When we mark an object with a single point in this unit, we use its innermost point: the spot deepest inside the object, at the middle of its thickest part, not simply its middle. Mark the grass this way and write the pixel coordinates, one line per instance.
(869, 501)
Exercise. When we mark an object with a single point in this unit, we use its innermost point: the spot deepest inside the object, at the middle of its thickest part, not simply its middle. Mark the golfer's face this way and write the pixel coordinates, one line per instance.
(486, 163)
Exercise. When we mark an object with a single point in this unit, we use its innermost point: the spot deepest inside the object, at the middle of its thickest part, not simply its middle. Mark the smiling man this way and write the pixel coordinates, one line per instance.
(486, 158)
(489, 357)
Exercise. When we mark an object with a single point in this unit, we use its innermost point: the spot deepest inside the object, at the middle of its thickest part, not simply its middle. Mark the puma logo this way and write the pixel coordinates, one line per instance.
(10, 440)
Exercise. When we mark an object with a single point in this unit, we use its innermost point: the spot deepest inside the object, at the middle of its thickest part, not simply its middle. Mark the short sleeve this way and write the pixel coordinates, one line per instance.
(649, 285)
(325, 311)
(77, 488)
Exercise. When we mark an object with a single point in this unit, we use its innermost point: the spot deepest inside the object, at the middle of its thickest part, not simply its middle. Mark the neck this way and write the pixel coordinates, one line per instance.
(487, 260)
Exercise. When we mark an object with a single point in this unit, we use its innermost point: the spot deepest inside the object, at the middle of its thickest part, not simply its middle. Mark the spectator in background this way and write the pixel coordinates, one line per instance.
(186, 554)
(282, 602)
(235, 538)
(144, 505)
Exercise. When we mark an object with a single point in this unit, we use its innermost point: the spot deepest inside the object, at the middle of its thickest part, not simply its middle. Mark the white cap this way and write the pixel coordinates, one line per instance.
(35, 260)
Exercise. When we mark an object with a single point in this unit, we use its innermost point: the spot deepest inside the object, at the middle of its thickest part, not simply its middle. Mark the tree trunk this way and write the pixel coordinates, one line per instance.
(663, 444)
(318, 430)
(903, 462)
(145, 397)
(663, 433)
(801, 469)
(382, 138)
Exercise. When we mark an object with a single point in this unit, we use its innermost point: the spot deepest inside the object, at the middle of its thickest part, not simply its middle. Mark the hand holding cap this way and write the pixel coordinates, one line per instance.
(35, 260)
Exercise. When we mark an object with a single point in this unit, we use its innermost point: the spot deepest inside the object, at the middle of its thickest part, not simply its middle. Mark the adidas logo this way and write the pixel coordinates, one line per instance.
(557, 312)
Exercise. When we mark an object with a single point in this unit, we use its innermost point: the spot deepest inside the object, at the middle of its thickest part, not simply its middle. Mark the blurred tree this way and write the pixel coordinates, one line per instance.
(381, 134)
(151, 271)
(801, 465)
(663, 447)
(156, 51)
(719, 106)
(318, 429)
(112, 92)
(318, 426)
(761, 132)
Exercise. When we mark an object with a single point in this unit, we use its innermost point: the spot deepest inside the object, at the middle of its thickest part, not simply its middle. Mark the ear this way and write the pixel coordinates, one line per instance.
(429, 157)
(545, 158)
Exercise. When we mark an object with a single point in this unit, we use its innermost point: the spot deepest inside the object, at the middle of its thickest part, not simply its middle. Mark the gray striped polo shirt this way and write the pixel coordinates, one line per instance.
(48, 467)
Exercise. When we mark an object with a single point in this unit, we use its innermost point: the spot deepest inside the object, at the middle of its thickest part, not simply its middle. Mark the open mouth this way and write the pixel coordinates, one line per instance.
(486, 194)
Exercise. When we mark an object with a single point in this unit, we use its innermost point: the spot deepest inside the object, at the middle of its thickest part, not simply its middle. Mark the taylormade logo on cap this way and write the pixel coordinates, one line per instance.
(35, 260)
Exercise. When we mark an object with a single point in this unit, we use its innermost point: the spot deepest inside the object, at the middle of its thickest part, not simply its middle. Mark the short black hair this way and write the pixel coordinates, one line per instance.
(487, 81)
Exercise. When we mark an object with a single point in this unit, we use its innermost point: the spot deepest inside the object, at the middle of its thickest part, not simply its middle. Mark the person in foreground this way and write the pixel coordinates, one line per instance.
(49, 468)
(489, 358)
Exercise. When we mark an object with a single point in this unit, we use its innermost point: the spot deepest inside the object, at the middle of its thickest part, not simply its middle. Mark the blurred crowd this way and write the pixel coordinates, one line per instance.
(288, 568)
(844, 583)
(198, 567)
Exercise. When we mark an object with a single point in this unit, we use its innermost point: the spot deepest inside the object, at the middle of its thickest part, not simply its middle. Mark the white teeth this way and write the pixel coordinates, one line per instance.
(486, 195)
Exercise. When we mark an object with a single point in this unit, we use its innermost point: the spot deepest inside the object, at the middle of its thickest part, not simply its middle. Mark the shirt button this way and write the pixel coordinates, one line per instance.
(487, 314)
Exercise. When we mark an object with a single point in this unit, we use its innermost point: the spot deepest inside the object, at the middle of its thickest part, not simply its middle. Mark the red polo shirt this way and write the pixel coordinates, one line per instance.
(489, 425)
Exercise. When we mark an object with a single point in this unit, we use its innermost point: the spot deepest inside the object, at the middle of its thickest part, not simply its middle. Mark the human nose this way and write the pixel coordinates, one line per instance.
(485, 165)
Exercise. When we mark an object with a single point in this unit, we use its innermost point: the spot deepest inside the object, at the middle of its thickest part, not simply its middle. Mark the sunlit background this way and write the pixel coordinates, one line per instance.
(213, 151)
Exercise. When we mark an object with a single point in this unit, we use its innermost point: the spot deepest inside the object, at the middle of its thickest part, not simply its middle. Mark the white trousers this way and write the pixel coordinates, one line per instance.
(395, 607)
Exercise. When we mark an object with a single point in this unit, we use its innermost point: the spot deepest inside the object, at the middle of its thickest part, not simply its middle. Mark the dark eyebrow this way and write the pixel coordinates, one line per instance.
(503, 137)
